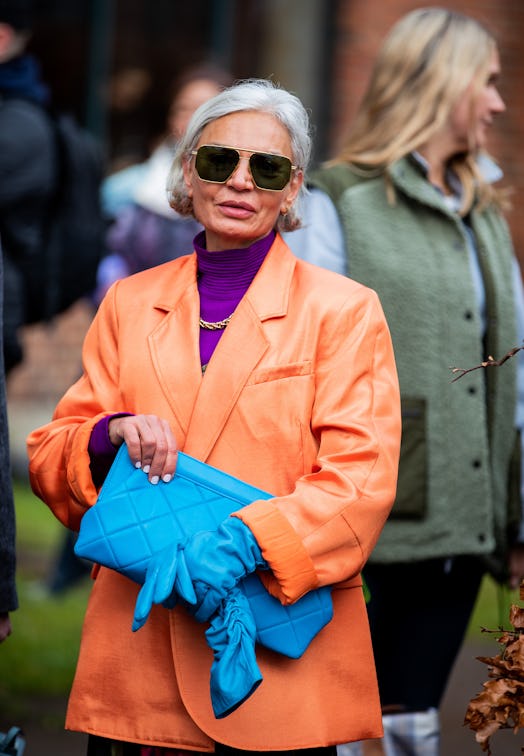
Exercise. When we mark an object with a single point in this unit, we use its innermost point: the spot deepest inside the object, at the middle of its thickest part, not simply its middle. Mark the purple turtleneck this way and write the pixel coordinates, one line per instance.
(223, 279)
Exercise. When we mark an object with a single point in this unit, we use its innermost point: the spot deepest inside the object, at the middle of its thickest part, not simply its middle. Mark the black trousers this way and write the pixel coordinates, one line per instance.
(103, 747)
(418, 614)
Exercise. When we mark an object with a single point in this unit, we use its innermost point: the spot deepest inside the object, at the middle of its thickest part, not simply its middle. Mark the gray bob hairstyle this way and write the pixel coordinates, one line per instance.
(247, 95)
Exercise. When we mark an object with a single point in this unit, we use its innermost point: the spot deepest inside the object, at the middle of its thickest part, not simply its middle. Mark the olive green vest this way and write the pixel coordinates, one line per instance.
(458, 438)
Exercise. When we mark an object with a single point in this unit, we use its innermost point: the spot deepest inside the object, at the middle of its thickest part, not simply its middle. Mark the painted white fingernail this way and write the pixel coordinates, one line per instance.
(146, 468)
(155, 479)
(166, 478)
(138, 465)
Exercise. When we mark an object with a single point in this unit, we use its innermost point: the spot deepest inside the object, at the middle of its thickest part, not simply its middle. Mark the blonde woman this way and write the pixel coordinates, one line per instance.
(420, 222)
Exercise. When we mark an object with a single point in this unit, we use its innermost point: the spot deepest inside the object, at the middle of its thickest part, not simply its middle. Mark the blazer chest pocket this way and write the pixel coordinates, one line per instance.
(276, 404)
(279, 372)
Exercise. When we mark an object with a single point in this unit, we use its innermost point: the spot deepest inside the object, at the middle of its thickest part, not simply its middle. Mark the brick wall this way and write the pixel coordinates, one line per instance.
(52, 358)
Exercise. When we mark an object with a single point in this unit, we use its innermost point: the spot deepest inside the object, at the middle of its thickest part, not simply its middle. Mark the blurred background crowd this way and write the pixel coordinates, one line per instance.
(116, 65)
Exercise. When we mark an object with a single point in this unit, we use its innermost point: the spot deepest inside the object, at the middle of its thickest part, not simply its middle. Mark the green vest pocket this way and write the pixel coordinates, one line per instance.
(411, 499)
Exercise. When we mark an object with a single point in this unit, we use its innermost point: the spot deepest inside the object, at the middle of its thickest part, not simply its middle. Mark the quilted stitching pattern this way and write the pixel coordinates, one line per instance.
(287, 629)
(132, 520)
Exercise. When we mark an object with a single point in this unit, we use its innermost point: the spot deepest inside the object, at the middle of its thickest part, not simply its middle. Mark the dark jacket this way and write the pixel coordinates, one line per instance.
(8, 597)
(27, 183)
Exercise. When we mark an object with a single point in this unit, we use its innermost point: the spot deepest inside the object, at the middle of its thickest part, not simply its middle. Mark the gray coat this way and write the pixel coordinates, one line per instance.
(28, 174)
(8, 597)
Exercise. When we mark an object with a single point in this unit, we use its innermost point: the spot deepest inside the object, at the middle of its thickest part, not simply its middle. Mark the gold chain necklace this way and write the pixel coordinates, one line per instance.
(218, 325)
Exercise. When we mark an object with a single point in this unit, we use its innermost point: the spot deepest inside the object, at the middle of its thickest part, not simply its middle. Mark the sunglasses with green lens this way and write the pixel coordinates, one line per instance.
(216, 164)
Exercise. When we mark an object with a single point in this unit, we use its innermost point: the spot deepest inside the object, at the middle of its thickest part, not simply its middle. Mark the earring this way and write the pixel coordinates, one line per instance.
(284, 210)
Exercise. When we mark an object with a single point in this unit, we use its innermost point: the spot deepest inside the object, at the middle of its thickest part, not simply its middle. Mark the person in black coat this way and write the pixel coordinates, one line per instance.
(8, 595)
(27, 170)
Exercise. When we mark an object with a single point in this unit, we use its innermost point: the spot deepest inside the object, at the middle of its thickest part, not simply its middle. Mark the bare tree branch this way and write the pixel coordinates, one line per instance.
(490, 362)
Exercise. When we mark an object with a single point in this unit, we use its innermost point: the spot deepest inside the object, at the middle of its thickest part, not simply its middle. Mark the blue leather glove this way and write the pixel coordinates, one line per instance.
(201, 572)
(166, 578)
(231, 636)
(225, 556)
(217, 560)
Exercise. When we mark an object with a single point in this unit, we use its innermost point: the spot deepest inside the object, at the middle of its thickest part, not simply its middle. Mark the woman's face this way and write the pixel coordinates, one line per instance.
(473, 115)
(237, 213)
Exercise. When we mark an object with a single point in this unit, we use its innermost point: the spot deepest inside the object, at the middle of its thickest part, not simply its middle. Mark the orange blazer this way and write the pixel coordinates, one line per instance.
(301, 399)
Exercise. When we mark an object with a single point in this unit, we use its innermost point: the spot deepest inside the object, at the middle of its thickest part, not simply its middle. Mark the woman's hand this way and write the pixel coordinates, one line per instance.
(150, 442)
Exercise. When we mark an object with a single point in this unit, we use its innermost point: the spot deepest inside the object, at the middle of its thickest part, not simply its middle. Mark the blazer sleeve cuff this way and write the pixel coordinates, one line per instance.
(292, 572)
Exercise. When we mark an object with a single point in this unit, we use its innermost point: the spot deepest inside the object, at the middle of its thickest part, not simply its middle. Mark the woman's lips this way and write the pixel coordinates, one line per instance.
(237, 209)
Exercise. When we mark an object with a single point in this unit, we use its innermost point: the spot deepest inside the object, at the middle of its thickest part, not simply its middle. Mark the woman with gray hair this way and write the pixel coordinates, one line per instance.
(254, 95)
(267, 368)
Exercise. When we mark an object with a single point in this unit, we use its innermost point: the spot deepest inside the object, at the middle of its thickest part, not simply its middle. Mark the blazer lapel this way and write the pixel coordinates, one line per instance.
(239, 350)
(174, 343)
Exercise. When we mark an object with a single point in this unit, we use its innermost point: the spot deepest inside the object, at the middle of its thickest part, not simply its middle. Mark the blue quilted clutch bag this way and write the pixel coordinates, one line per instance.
(132, 520)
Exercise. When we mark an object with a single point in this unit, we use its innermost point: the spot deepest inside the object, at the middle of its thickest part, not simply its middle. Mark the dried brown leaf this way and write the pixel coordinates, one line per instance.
(500, 705)
(516, 617)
